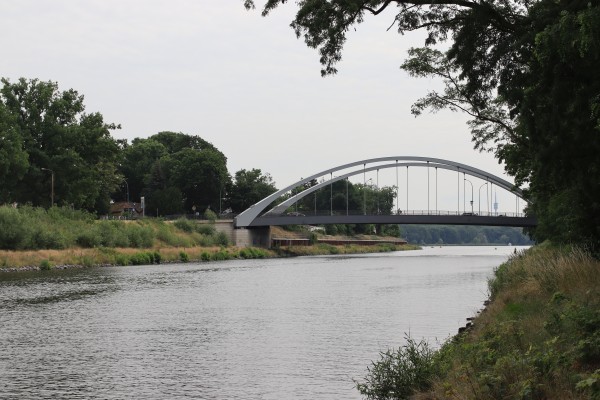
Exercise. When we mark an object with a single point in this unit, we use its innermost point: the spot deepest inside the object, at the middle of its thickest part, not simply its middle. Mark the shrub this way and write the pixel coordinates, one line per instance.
(221, 255)
(13, 232)
(399, 373)
(210, 215)
(46, 265)
(185, 225)
(205, 256)
(89, 238)
(142, 258)
(221, 239)
(139, 236)
(205, 229)
(183, 256)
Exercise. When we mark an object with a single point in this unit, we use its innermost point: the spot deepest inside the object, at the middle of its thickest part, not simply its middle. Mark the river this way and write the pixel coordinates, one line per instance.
(296, 328)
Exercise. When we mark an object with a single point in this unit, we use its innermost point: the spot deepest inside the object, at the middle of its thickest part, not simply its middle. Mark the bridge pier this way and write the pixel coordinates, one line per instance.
(242, 237)
(256, 237)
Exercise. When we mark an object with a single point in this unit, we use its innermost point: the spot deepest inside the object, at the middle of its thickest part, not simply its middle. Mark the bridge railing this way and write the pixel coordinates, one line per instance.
(322, 213)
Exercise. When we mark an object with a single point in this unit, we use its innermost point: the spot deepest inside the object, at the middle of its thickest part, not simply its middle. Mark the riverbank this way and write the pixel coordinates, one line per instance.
(538, 338)
(13, 261)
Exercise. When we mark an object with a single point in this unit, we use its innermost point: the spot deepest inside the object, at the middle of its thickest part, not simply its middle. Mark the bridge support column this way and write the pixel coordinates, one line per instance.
(256, 237)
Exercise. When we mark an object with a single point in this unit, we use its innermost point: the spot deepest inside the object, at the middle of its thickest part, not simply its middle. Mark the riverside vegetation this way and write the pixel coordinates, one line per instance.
(36, 238)
(539, 338)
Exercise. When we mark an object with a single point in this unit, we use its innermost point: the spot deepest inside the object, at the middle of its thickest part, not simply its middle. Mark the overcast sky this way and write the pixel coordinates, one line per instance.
(240, 81)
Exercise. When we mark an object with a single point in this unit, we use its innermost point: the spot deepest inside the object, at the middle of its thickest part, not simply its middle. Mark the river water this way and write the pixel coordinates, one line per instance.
(297, 328)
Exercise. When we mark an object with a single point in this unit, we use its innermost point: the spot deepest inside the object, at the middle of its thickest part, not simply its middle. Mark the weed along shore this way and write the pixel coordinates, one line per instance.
(537, 338)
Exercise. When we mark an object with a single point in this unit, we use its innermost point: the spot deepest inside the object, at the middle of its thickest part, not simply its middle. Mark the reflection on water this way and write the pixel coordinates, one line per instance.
(299, 328)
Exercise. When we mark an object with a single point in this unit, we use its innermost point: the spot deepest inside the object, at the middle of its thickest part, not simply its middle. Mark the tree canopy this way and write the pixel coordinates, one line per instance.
(175, 172)
(46, 135)
(526, 71)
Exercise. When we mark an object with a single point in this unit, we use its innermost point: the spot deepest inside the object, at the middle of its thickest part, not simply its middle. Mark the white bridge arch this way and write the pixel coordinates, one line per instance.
(247, 217)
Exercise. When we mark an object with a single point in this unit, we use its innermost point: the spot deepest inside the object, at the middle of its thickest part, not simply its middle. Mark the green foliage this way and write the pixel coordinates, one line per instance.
(221, 239)
(42, 127)
(539, 337)
(221, 255)
(249, 187)
(175, 172)
(185, 225)
(210, 215)
(399, 373)
(252, 252)
(183, 256)
(46, 265)
(32, 228)
(205, 229)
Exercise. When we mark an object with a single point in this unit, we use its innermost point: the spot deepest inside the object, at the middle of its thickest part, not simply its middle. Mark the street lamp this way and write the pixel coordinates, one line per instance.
(471, 183)
(52, 192)
(127, 184)
(485, 184)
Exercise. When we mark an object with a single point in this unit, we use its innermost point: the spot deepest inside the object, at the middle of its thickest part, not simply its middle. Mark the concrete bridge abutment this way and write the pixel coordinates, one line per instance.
(242, 237)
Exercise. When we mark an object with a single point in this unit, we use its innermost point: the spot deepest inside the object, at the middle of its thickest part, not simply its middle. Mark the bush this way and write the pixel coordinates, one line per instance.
(46, 265)
(221, 255)
(210, 215)
(183, 256)
(221, 239)
(143, 258)
(13, 232)
(400, 373)
(89, 238)
(205, 229)
(185, 225)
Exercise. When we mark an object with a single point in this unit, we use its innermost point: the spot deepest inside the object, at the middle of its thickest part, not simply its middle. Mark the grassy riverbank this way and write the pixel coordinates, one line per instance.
(35, 238)
(539, 338)
(81, 257)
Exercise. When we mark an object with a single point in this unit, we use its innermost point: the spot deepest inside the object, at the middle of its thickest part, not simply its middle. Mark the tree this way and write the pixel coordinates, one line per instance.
(52, 129)
(250, 187)
(175, 172)
(139, 159)
(13, 158)
(524, 70)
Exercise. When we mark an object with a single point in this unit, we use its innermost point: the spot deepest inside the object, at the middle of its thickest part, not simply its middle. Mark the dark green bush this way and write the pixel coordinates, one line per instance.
(221, 239)
(400, 373)
(183, 256)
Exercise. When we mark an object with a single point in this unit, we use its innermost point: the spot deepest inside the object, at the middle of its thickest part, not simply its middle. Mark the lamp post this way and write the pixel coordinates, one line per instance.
(485, 184)
(127, 184)
(52, 191)
(471, 183)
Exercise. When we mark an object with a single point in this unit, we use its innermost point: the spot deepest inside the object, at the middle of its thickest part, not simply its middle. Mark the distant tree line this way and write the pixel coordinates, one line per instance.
(52, 151)
(455, 234)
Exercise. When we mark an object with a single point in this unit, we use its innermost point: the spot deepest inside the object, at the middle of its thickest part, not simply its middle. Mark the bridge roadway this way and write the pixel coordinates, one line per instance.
(439, 218)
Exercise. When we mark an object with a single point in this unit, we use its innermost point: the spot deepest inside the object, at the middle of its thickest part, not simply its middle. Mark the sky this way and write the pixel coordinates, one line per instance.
(241, 81)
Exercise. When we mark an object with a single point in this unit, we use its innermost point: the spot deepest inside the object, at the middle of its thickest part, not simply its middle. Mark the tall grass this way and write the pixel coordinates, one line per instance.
(31, 228)
(538, 339)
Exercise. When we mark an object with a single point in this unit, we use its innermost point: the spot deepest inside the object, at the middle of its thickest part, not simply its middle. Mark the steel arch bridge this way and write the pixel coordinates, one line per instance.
(256, 216)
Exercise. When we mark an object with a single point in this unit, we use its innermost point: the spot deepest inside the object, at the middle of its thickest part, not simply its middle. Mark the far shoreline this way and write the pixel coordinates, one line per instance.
(81, 258)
